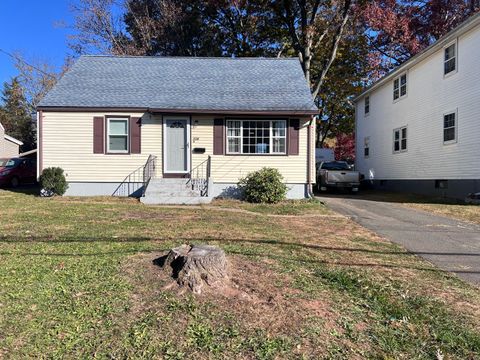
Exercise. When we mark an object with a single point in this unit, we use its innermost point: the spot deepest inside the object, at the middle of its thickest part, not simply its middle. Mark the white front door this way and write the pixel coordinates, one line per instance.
(176, 135)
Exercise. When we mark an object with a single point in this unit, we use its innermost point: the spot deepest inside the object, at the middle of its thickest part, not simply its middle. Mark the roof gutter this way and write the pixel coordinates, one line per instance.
(12, 139)
(466, 26)
(179, 111)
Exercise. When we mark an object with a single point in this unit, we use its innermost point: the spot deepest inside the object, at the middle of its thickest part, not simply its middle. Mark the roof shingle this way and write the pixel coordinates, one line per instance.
(179, 83)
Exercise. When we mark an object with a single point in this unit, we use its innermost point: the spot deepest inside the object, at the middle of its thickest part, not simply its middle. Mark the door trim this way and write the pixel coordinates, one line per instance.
(187, 120)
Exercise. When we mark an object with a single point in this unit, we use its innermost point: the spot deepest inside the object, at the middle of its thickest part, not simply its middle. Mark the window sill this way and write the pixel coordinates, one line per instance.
(260, 155)
(451, 142)
(399, 99)
(450, 74)
(117, 153)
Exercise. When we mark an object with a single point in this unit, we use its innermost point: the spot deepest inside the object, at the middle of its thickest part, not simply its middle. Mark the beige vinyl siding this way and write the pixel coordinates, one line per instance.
(2, 141)
(230, 168)
(10, 149)
(68, 143)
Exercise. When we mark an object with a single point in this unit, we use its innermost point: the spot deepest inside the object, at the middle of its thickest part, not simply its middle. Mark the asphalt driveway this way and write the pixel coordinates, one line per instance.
(450, 244)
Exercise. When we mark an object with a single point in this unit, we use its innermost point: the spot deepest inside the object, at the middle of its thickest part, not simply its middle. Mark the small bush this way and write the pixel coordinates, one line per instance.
(53, 182)
(263, 186)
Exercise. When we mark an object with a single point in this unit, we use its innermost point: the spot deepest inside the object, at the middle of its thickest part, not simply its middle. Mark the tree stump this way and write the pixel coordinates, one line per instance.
(197, 265)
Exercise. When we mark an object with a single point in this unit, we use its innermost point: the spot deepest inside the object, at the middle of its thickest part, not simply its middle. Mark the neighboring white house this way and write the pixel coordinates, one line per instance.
(9, 146)
(418, 128)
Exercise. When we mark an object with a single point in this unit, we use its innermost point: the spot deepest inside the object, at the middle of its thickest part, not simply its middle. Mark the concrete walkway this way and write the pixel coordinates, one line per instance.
(450, 244)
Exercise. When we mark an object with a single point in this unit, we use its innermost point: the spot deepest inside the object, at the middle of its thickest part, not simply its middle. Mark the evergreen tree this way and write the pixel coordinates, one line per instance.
(15, 115)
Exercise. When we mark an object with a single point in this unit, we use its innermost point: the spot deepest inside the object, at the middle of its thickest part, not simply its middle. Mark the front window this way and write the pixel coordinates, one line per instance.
(400, 139)
(449, 128)
(450, 61)
(256, 136)
(117, 135)
(400, 87)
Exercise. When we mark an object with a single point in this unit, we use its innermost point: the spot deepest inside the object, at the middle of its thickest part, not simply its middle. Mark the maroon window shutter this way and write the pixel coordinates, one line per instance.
(293, 132)
(218, 137)
(98, 135)
(135, 135)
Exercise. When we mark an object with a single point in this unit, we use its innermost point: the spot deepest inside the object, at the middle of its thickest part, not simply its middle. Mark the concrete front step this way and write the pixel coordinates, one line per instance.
(175, 200)
(172, 191)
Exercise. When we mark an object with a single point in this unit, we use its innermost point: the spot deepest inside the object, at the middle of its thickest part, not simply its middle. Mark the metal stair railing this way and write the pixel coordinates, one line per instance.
(200, 177)
(137, 181)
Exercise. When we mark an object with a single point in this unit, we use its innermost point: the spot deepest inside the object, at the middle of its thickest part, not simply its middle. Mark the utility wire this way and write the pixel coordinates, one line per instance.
(17, 58)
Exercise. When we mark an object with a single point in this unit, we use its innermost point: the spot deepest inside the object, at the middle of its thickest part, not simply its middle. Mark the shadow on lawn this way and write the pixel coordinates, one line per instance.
(28, 189)
(232, 242)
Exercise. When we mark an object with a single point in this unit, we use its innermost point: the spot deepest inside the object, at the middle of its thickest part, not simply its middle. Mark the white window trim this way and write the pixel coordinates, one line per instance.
(366, 140)
(454, 42)
(365, 106)
(399, 87)
(400, 140)
(127, 120)
(454, 141)
(271, 137)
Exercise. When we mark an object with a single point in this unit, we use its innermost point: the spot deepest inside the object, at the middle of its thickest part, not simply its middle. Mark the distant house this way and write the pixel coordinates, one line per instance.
(9, 146)
(181, 128)
(417, 129)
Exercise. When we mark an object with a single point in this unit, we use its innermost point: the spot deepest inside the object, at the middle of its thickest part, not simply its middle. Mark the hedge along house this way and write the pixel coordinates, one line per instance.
(177, 130)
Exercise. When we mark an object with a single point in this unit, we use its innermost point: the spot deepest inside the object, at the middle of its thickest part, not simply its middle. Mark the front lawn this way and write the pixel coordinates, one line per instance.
(78, 279)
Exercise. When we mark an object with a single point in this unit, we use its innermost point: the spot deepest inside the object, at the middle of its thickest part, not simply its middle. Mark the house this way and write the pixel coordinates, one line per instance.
(156, 126)
(417, 129)
(9, 146)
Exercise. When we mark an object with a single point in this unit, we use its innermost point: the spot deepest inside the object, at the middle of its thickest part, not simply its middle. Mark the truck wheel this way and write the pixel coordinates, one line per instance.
(14, 182)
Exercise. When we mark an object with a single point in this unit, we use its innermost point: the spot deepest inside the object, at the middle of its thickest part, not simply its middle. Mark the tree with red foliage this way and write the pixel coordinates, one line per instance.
(345, 147)
(397, 30)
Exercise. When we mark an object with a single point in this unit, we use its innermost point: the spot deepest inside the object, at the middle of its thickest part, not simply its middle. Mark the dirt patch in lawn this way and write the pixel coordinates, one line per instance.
(259, 297)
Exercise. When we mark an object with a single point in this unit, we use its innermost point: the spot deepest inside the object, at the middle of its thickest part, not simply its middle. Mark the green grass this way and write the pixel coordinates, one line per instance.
(77, 281)
(287, 207)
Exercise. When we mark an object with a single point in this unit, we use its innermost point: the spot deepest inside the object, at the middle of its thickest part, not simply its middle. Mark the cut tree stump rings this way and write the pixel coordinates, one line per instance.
(196, 266)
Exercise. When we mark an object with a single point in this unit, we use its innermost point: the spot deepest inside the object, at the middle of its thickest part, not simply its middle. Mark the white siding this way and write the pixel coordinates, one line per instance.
(429, 97)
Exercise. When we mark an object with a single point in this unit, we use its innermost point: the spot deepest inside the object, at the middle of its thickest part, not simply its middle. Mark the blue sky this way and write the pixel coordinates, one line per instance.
(31, 28)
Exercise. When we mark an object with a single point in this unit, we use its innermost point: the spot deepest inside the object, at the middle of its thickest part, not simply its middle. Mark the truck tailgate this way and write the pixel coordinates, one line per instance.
(334, 176)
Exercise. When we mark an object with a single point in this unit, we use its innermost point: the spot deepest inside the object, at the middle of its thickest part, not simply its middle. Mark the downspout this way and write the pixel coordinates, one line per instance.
(310, 193)
(39, 143)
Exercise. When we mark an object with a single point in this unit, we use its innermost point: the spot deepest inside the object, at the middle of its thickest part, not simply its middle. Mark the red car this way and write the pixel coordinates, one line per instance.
(16, 171)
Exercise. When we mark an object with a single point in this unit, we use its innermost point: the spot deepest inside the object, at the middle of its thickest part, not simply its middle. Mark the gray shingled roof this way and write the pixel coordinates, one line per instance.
(244, 84)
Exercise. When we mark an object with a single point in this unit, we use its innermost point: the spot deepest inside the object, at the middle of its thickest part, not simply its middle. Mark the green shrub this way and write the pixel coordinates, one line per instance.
(53, 182)
(263, 186)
